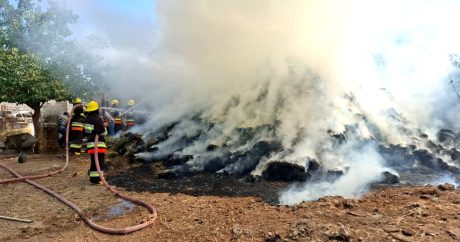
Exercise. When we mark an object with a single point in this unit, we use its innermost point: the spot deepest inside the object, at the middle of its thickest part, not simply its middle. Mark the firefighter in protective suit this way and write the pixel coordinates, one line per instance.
(117, 121)
(76, 127)
(95, 125)
(130, 119)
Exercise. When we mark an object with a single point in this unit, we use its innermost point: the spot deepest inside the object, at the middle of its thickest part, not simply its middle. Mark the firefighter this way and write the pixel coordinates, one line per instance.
(95, 125)
(117, 121)
(130, 120)
(61, 127)
(76, 127)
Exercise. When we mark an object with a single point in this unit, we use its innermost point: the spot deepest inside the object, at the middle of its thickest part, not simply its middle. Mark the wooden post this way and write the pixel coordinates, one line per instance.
(16, 219)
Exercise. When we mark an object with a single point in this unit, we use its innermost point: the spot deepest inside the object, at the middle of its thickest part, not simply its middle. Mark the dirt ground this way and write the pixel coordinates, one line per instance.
(214, 208)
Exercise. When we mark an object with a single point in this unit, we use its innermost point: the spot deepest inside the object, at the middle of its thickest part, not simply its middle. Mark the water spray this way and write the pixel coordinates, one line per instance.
(135, 105)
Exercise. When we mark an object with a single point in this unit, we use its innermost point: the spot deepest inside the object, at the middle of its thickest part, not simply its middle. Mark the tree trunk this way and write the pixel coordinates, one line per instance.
(38, 128)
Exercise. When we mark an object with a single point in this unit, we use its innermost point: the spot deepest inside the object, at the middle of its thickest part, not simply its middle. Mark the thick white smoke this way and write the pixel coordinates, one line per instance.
(305, 67)
(364, 166)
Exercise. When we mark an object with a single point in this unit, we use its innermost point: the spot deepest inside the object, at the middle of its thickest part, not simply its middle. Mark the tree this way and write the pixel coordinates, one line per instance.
(39, 62)
(27, 27)
(24, 80)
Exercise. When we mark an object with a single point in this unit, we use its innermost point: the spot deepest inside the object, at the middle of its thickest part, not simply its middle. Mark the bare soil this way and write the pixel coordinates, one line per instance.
(216, 208)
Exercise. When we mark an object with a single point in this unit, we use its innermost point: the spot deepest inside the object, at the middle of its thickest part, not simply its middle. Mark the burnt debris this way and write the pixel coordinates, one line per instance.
(250, 151)
(283, 171)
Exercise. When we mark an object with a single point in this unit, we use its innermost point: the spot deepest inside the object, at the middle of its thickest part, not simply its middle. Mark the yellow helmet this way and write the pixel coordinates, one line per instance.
(131, 102)
(77, 100)
(92, 106)
(114, 101)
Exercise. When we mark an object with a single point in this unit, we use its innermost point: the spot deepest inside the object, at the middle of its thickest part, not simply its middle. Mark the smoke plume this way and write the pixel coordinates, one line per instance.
(293, 74)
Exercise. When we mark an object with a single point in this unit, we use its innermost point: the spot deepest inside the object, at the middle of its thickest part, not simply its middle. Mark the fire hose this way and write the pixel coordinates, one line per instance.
(88, 221)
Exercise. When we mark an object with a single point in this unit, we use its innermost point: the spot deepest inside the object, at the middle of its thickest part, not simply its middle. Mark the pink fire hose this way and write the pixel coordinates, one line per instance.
(127, 230)
(23, 178)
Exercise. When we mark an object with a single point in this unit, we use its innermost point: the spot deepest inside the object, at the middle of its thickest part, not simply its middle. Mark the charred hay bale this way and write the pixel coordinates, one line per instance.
(176, 160)
(423, 136)
(312, 165)
(185, 140)
(217, 164)
(212, 147)
(226, 159)
(397, 156)
(457, 141)
(389, 178)
(455, 155)
(446, 187)
(164, 134)
(248, 133)
(429, 160)
(337, 138)
(119, 144)
(283, 171)
(334, 174)
(168, 174)
(253, 178)
(446, 136)
(435, 148)
(128, 142)
(135, 147)
(454, 169)
(243, 164)
(152, 148)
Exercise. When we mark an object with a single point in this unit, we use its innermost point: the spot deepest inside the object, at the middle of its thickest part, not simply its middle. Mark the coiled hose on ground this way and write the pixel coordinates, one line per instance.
(28, 179)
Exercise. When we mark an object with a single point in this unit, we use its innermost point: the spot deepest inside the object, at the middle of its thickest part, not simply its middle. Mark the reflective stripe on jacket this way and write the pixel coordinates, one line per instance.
(130, 122)
(76, 146)
(95, 173)
(90, 145)
(101, 148)
(77, 126)
(118, 120)
(89, 128)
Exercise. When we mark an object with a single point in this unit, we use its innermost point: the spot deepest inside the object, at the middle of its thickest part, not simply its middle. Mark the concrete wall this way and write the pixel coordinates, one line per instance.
(51, 109)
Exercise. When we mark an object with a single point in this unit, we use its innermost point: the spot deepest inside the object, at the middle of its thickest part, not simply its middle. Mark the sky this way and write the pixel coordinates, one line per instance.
(94, 16)
(127, 10)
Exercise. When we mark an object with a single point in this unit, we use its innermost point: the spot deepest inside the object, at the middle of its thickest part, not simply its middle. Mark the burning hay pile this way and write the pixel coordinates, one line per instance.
(249, 156)
(303, 93)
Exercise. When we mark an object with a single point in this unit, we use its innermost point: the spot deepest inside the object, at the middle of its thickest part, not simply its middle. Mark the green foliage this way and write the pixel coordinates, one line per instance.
(25, 26)
(38, 61)
(24, 80)
(30, 29)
